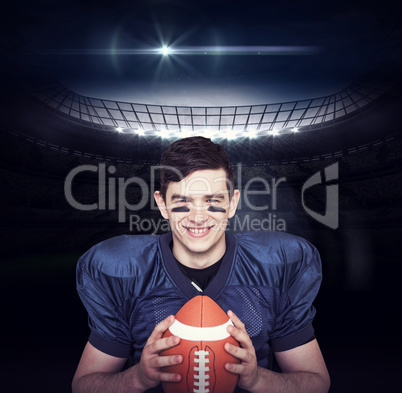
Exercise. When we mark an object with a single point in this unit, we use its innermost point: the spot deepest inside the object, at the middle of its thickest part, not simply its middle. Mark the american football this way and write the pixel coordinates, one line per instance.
(201, 325)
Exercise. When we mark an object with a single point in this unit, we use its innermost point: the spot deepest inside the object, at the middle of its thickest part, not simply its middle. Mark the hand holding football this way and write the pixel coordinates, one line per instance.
(202, 327)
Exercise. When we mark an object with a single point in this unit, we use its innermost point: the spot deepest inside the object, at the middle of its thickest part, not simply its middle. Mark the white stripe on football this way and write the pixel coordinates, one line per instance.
(193, 333)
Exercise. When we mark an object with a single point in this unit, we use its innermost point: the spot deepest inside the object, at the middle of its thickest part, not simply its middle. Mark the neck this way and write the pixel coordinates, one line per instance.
(199, 260)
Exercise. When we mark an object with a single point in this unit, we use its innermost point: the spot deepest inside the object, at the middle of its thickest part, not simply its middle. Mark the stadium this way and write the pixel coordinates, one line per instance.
(78, 168)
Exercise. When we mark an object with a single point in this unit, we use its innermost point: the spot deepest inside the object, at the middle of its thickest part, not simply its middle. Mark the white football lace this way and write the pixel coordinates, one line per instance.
(201, 372)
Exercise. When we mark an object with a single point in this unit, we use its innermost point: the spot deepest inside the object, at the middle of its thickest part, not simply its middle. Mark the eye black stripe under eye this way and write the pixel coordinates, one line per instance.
(181, 209)
(216, 209)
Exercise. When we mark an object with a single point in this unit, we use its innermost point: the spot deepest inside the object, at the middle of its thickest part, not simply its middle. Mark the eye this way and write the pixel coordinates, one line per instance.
(181, 200)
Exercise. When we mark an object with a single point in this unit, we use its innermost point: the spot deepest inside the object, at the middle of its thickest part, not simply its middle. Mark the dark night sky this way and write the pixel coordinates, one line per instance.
(347, 34)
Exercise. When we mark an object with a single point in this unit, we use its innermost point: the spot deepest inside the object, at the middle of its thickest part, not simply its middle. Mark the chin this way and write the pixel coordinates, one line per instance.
(203, 246)
(198, 250)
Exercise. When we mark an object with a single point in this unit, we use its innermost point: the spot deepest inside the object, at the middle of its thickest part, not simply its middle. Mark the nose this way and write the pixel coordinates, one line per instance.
(198, 214)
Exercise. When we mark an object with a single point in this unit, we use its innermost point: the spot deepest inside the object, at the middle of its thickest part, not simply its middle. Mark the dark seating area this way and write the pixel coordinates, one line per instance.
(43, 235)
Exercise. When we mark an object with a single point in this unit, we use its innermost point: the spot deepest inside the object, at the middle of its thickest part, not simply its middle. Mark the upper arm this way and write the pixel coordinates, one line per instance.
(94, 361)
(305, 358)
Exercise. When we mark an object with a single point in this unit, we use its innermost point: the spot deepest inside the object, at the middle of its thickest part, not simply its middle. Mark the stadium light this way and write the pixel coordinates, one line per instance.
(274, 132)
(165, 50)
(208, 133)
(140, 132)
(229, 134)
(185, 132)
(119, 129)
(164, 133)
(295, 129)
(252, 133)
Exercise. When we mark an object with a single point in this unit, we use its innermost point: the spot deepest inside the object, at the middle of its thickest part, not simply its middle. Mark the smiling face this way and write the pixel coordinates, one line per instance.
(198, 209)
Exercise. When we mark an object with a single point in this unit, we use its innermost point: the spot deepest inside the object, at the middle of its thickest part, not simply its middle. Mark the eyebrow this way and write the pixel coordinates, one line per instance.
(215, 196)
(208, 196)
(178, 196)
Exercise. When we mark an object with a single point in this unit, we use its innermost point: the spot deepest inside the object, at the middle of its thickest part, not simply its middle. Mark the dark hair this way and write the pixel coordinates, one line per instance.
(188, 155)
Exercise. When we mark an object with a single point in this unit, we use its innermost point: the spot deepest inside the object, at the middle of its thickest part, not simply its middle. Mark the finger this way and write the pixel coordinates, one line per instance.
(236, 320)
(164, 361)
(233, 368)
(161, 328)
(165, 377)
(241, 336)
(239, 331)
(242, 354)
(162, 344)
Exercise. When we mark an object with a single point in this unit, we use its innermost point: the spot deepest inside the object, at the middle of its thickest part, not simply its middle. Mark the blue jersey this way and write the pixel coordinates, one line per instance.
(129, 284)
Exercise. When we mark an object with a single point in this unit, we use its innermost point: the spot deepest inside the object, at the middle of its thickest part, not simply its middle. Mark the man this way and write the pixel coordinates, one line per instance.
(266, 282)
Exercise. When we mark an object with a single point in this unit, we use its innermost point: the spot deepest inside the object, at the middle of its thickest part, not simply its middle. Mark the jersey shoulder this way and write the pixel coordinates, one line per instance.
(120, 256)
(276, 258)
(270, 243)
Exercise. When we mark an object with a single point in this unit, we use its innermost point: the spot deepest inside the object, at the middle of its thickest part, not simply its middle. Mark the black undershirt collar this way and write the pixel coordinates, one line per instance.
(200, 277)
(215, 285)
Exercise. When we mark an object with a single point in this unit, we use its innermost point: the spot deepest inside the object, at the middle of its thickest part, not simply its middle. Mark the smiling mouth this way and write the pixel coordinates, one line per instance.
(198, 230)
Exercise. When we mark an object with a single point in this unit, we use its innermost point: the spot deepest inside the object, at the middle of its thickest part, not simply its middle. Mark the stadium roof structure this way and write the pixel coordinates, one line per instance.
(224, 121)
(147, 121)
(217, 121)
(228, 121)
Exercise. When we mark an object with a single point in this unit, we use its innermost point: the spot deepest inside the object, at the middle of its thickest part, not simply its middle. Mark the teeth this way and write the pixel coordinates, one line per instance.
(197, 230)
